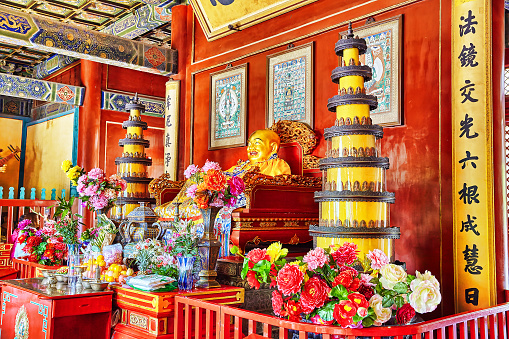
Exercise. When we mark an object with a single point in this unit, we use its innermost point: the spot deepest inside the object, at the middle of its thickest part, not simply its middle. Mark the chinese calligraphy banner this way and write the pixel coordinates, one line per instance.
(215, 16)
(474, 249)
(171, 128)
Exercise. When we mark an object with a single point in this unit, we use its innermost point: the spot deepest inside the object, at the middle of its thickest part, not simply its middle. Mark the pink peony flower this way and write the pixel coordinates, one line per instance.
(217, 202)
(190, 170)
(378, 259)
(210, 165)
(83, 179)
(91, 190)
(237, 185)
(365, 280)
(345, 254)
(110, 193)
(315, 258)
(99, 201)
(96, 174)
(191, 191)
(81, 188)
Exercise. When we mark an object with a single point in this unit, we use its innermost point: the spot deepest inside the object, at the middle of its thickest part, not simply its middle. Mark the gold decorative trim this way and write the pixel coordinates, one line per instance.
(138, 321)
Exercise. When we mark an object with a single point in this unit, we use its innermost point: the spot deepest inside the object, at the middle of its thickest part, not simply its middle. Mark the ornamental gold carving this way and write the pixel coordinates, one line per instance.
(267, 224)
(293, 131)
(291, 224)
(158, 185)
(138, 321)
(294, 240)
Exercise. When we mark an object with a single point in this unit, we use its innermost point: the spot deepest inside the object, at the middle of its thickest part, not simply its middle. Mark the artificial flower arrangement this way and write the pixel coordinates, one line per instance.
(211, 187)
(93, 187)
(335, 286)
(152, 256)
(44, 246)
(68, 223)
(182, 238)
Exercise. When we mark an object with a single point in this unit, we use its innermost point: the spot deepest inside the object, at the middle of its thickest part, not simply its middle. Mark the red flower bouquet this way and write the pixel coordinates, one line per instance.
(42, 246)
(334, 286)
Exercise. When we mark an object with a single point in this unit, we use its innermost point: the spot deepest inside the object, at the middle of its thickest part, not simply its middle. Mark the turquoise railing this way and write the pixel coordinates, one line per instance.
(34, 194)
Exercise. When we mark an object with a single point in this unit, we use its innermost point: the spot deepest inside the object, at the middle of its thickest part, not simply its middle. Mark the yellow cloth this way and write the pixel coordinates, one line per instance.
(270, 167)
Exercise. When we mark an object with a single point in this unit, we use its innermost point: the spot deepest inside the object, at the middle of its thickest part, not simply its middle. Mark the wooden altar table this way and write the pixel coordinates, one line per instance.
(30, 309)
(151, 315)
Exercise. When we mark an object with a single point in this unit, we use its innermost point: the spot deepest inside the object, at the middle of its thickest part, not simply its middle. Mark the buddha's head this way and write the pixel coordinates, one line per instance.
(261, 145)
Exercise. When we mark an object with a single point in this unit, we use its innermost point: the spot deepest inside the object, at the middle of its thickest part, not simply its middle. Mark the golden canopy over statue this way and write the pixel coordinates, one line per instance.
(262, 149)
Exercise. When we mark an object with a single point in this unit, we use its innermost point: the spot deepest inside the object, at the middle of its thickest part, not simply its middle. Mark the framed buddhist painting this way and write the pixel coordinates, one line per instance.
(228, 102)
(289, 85)
(383, 39)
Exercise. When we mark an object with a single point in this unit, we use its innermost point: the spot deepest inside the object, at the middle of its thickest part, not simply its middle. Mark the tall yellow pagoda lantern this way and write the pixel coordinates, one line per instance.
(354, 205)
(132, 165)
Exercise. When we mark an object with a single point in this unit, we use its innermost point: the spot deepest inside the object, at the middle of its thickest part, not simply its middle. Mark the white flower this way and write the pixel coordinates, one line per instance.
(425, 295)
(382, 314)
(391, 275)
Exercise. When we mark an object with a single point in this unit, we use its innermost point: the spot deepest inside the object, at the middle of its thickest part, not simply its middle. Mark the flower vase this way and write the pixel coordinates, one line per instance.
(185, 279)
(73, 260)
(208, 247)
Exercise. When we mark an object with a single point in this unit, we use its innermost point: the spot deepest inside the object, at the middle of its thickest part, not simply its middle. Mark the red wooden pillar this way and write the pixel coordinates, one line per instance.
(499, 157)
(90, 122)
(179, 42)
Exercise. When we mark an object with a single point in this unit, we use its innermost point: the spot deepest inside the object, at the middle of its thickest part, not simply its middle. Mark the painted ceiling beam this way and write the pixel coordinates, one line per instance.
(142, 20)
(52, 36)
(27, 88)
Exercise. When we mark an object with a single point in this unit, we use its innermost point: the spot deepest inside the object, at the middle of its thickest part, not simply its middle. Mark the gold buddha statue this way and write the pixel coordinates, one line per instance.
(262, 149)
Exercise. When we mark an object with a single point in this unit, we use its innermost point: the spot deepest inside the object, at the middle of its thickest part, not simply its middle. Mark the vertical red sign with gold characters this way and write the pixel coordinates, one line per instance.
(474, 247)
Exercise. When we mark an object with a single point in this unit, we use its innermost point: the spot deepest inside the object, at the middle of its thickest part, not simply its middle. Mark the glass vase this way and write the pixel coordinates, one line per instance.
(208, 247)
(73, 260)
(185, 279)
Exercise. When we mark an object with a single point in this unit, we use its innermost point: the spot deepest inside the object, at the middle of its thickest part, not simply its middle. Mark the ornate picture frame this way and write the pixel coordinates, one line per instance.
(290, 85)
(383, 39)
(228, 107)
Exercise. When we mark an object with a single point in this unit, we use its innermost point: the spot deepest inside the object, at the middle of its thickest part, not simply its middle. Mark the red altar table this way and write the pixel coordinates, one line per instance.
(30, 309)
(151, 315)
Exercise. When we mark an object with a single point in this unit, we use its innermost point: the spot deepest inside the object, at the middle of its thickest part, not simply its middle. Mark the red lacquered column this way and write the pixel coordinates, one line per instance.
(89, 122)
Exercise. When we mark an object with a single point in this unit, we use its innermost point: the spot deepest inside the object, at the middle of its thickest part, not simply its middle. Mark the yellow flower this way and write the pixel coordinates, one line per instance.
(275, 251)
(302, 268)
(74, 173)
(66, 165)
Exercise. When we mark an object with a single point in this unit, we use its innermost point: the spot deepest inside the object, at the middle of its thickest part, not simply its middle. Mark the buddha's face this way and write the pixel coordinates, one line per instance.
(261, 145)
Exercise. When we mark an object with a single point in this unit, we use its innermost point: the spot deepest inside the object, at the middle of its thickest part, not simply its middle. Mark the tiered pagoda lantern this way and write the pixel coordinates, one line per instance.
(354, 205)
(132, 165)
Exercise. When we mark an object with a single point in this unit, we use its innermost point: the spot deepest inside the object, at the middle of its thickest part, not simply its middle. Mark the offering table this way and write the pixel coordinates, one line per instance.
(151, 314)
(31, 309)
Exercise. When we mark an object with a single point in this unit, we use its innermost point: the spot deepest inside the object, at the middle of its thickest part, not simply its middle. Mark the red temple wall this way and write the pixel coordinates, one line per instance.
(416, 149)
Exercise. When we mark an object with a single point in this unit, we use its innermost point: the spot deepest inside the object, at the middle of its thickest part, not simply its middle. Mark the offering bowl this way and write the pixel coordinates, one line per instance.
(62, 278)
(99, 286)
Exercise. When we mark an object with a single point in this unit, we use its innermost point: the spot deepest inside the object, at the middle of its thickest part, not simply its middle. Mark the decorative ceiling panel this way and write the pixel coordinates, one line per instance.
(142, 20)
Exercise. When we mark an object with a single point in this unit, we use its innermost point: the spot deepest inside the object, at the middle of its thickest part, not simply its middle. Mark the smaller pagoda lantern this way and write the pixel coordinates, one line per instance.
(132, 165)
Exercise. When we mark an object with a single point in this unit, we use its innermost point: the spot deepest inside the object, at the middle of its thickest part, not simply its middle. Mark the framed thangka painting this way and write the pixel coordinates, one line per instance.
(228, 108)
(289, 85)
(383, 39)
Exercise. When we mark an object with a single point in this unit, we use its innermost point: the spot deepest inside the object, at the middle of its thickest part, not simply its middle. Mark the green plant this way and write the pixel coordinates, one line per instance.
(184, 238)
(69, 222)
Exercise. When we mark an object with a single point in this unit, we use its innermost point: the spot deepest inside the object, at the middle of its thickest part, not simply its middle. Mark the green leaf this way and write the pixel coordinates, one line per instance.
(387, 301)
(263, 268)
(410, 278)
(245, 268)
(356, 318)
(326, 312)
(400, 287)
(299, 258)
(339, 292)
(399, 301)
(368, 321)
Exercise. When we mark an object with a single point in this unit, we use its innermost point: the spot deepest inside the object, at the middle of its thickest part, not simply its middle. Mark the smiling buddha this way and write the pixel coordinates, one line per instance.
(262, 149)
